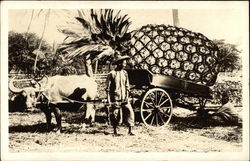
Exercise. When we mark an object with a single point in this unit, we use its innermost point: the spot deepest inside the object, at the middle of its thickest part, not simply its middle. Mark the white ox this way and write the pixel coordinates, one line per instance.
(61, 88)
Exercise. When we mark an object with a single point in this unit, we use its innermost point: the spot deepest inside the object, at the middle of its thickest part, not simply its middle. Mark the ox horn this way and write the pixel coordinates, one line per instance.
(12, 88)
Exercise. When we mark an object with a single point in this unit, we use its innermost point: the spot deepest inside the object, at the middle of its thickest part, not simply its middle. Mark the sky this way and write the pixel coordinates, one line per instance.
(216, 20)
(214, 23)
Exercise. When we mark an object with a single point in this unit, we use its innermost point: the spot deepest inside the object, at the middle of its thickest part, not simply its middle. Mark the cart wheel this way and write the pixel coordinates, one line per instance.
(156, 108)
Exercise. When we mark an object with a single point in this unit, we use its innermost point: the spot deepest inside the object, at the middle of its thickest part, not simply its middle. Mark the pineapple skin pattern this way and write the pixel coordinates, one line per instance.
(174, 51)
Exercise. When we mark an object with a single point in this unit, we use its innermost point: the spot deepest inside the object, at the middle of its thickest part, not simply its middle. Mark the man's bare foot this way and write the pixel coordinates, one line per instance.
(131, 134)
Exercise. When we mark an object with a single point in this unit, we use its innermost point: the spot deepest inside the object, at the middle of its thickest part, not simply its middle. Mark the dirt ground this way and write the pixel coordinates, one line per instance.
(185, 133)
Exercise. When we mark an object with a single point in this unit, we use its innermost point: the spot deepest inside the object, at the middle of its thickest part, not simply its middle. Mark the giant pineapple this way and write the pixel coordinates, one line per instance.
(175, 51)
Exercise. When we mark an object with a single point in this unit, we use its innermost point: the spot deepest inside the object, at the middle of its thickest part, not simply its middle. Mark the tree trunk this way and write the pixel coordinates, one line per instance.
(41, 40)
(88, 68)
(28, 29)
(96, 66)
(175, 17)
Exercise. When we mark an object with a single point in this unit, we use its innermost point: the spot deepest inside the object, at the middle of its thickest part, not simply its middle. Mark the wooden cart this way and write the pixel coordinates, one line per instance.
(162, 93)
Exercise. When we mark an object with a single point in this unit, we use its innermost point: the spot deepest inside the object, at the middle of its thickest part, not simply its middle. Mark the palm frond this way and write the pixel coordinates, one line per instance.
(79, 42)
(97, 22)
(69, 33)
(80, 14)
(84, 23)
(107, 51)
(84, 49)
(103, 32)
(87, 22)
(109, 20)
(124, 27)
(103, 22)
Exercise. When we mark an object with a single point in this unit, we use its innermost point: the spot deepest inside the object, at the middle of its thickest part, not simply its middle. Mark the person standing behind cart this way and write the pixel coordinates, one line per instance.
(118, 94)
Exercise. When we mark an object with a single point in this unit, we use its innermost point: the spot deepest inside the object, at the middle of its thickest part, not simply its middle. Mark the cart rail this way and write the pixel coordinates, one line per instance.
(142, 77)
(181, 85)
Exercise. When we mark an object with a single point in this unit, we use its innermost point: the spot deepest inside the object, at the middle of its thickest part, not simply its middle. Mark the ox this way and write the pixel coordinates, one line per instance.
(58, 89)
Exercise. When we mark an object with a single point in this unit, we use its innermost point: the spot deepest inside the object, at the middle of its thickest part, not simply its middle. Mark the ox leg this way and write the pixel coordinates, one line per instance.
(48, 119)
(48, 116)
(58, 117)
(93, 114)
(90, 113)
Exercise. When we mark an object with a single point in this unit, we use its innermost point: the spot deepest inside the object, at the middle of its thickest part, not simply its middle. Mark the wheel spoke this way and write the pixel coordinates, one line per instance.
(156, 119)
(152, 120)
(147, 103)
(165, 114)
(148, 116)
(161, 118)
(152, 100)
(160, 98)
(149, 110)
(164, 102)
(156, 98)
(165, 111)
(164, 108)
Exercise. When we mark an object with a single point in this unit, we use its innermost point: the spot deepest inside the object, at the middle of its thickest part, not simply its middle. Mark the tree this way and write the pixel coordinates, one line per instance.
(228, 57)
(41, 40)
(46, 14)
(22, 48)
(102, 34)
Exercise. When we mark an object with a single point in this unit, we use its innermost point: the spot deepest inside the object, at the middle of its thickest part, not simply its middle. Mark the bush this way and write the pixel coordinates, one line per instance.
(234, 89)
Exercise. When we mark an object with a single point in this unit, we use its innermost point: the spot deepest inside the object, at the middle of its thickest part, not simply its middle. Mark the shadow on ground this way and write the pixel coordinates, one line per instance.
(36, 128)
(208, 128)
(73, 122)
(196, 122)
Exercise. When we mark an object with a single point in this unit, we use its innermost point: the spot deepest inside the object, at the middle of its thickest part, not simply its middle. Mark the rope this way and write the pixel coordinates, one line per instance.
(68, 100)
(84, 101)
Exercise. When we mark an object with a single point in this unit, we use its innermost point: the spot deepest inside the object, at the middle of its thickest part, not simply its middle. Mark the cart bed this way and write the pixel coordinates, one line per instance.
(141, 77)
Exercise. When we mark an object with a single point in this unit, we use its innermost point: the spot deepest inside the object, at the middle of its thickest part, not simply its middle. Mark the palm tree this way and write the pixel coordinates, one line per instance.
(103, 33)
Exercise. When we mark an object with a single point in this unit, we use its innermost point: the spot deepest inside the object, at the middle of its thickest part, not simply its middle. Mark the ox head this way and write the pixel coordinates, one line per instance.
(25, 98)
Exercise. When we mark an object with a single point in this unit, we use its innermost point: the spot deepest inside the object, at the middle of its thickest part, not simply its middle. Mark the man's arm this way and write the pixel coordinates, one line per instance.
(108, 82)
(127, 86)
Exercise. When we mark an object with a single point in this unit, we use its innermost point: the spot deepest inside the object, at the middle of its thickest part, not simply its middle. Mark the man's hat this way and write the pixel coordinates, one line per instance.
(119, 58)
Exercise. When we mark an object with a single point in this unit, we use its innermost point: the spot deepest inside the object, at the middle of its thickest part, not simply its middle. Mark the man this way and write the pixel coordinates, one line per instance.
(118, 93)
(227, 112)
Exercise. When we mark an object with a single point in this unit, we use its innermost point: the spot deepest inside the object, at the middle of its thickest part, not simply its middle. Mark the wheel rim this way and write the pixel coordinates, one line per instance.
(156, 108)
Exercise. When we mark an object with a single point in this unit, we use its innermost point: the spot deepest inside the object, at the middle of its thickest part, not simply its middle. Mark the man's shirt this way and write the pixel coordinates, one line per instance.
(118, 85)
